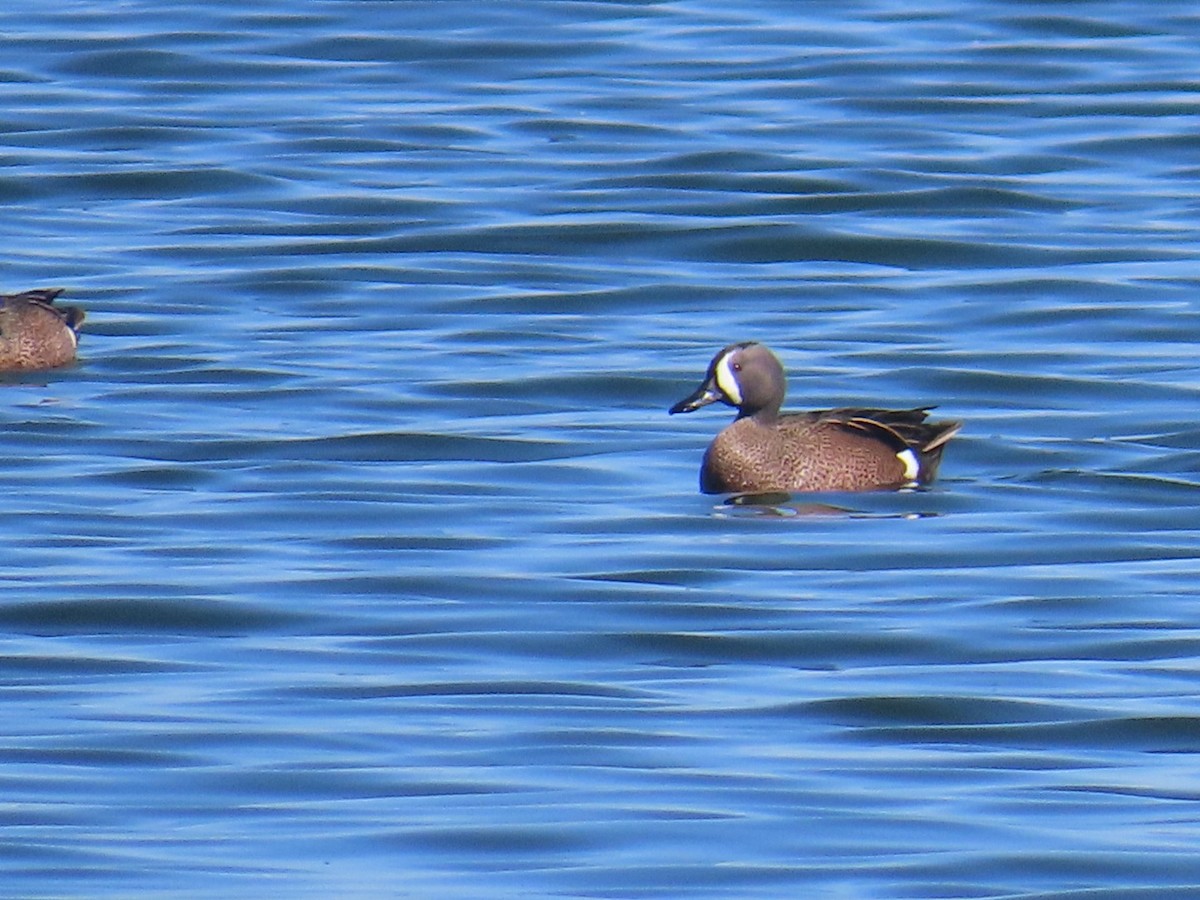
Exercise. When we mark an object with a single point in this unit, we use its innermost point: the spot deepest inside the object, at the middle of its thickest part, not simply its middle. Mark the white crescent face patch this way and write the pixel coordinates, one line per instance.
(727, 380)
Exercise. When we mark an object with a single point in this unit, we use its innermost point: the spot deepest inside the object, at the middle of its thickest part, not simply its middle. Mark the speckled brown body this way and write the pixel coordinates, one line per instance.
(764, 450)
(833, 450)
(35, 334)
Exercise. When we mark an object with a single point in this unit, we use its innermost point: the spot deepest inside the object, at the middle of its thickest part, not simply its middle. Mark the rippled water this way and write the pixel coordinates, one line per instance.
(358, 556)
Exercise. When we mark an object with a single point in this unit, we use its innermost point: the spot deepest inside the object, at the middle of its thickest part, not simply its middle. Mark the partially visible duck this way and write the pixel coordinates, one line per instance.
(36, 334)
(828, 450)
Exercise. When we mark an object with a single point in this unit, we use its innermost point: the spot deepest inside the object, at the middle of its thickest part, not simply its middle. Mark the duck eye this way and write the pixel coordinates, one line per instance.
(737, 367)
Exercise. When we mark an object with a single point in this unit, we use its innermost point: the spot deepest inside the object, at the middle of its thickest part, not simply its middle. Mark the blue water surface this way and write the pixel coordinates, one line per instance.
(358, 556)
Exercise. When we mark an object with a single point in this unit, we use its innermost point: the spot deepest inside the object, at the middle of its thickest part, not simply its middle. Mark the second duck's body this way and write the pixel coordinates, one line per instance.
(36, 334)
(764, 450)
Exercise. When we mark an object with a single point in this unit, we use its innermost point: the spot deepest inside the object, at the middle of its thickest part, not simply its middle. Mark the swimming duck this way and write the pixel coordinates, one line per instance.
(36, 334)
(828, 450)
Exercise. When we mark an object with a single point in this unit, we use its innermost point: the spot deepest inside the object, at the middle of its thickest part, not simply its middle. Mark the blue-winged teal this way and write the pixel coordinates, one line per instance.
(828, 450)
(36, 334)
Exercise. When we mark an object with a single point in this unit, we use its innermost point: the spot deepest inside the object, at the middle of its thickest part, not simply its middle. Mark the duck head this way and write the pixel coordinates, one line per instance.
(746, 376)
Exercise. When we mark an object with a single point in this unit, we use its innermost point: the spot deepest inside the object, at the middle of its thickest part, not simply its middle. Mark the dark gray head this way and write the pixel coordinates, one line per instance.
(746, 376)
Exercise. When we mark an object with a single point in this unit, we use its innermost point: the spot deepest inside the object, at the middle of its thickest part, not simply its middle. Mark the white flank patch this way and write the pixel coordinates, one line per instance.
(727, 380)
(912, 465)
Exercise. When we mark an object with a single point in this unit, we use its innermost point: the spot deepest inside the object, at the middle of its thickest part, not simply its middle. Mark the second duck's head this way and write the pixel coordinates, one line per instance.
(746, 376)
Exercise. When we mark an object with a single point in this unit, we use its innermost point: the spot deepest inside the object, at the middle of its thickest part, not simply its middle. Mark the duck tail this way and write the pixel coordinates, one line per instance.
(935, 436)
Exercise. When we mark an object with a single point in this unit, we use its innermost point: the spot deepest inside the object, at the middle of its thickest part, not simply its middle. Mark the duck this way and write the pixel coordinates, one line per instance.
(34, 333)
(849, 449)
